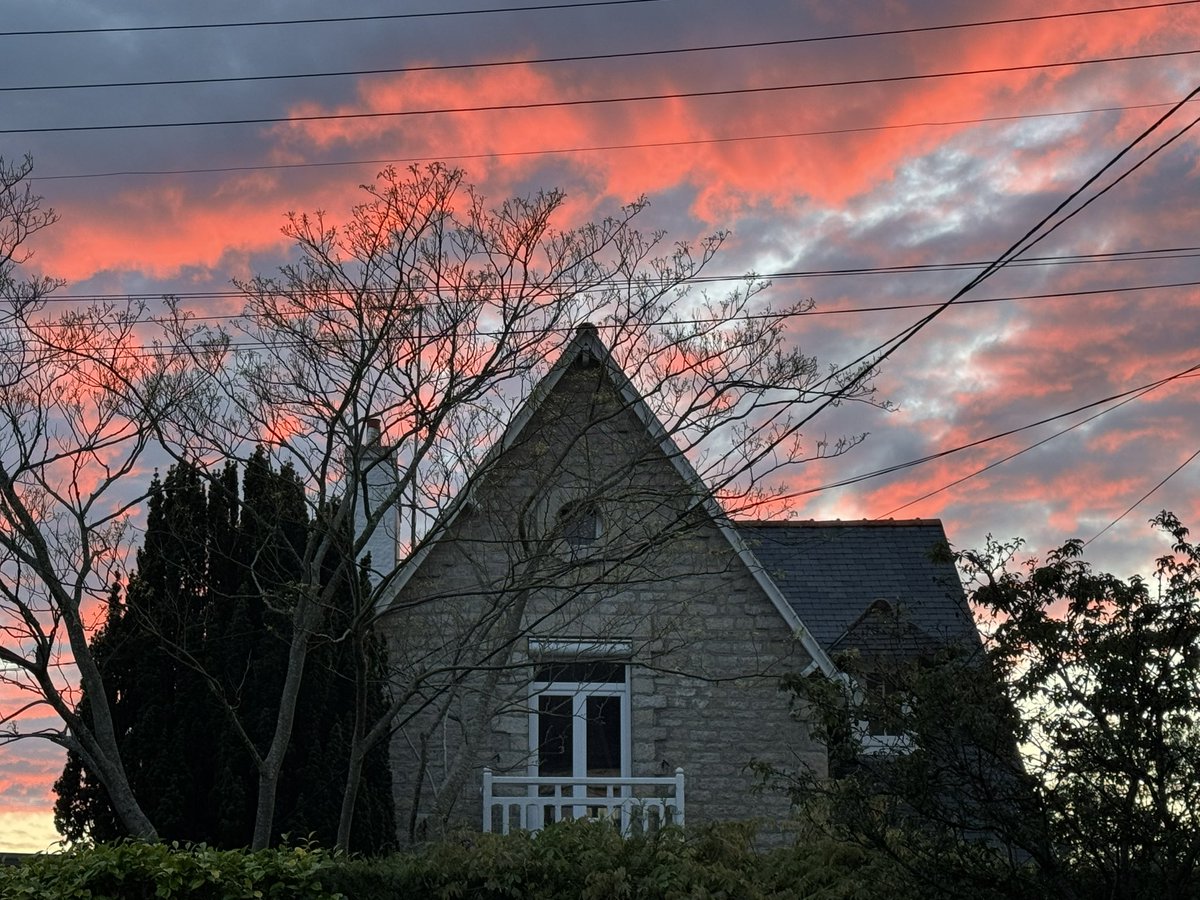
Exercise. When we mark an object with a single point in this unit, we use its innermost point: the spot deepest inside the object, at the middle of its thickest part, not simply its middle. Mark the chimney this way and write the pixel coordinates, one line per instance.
(376, 481)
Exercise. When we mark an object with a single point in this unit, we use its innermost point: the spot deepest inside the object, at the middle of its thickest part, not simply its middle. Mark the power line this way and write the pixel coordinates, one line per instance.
(597, 101)
(1164, 254)
(329, 20)
(1139, 393)
(593, 57)
(1146, 496)
(1124, 397)
(1007, 299)
(1029, 239)
(252, 345)
(867, 362)
(601, 147)
(855, 310)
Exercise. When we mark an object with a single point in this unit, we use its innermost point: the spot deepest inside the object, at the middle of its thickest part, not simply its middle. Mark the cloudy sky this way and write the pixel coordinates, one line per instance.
(872, 156)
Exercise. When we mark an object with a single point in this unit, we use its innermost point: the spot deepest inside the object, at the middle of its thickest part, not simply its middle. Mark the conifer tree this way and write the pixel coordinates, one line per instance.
(194, 656)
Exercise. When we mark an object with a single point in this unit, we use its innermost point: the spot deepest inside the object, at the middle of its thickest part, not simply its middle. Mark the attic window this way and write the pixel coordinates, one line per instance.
(884, 707)
(581, 526)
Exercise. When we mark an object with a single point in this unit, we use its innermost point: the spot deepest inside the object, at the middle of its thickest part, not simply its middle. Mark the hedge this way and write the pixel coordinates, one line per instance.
(136, 871)
(592, 862)
(585, 860)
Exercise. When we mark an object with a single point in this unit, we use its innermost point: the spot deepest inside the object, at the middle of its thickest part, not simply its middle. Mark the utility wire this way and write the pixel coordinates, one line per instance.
(597, 101)
(1136, 394)
(748, 317)
(1031, 236)
(882, 351)
(1108, 187)
(1027, 243)
(1125, 396)
(1155, 254)
(253, 345)
(501, 154)
(1143, 498)
(328, 20)
(593, 57)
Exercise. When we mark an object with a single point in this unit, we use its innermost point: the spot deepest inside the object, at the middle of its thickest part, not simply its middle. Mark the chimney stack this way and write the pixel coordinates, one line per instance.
(376, 488)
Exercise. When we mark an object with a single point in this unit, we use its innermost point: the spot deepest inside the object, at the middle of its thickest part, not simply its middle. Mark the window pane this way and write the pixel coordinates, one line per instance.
(600, 671)
(603, 736)
(883, 706)
(555, 730)
(581, 525)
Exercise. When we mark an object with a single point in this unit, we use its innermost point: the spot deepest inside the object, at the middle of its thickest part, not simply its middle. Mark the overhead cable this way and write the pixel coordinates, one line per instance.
(647, 145)
(328, 20)
(592, 57)
(597, 101)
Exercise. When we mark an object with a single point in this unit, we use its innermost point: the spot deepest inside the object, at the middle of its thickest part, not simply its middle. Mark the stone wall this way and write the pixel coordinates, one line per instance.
(707, 646)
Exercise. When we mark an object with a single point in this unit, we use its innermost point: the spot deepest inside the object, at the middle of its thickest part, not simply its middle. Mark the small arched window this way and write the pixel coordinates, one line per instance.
(581, 526)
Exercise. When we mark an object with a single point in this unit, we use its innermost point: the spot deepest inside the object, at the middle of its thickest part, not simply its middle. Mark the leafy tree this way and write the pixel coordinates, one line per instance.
(1096, 679)
(199, 632)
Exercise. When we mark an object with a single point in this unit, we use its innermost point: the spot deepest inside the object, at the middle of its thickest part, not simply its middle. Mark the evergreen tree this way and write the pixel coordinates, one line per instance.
(197, 649)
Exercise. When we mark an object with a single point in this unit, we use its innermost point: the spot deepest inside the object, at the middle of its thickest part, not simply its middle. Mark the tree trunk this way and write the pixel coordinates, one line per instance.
(350, 794)
(272, 764)
(98, 745)
(473, 736)
(128, 810)
(358, 748)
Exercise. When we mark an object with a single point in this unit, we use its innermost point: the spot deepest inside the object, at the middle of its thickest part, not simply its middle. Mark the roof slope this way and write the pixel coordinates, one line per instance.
(832, 572)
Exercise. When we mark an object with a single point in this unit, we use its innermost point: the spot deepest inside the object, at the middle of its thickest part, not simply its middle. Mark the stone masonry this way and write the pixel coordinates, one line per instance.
(706, 645)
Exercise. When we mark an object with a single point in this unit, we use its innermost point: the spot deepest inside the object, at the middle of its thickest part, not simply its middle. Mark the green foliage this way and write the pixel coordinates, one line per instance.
(1059, 761)
(134, 871)
(1107, 674)
(586, 860)
(201, 636)
(591, 861)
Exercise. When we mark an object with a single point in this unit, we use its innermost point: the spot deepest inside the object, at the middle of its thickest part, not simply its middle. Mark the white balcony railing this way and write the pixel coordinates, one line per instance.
(530, 803)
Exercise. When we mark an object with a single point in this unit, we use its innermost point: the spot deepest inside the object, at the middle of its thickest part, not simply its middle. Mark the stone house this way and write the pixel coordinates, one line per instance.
(590, 635)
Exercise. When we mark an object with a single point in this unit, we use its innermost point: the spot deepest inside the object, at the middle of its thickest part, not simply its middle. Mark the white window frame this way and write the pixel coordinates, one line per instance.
(549, 652)
(874, 744)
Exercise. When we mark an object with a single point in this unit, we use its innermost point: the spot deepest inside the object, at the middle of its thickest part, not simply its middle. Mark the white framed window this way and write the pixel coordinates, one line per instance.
(579, 718)
(881, 731)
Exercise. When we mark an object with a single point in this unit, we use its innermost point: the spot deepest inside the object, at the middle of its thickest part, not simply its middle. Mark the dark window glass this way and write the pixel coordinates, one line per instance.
(597, 671)
(603, 737)
(883, 707)
(555, 729)
(581, 525)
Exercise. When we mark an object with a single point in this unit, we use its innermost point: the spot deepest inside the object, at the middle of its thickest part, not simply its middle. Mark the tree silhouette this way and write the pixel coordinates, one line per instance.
(200, 636)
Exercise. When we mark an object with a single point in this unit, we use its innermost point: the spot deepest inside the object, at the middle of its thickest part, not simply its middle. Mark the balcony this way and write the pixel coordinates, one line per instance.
(530, 803)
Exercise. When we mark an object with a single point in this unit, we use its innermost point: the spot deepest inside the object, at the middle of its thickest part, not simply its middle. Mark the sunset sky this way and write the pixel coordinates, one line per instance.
(872, 156)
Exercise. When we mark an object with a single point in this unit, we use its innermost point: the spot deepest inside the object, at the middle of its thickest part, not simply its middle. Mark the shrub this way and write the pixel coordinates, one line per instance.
(586, 860)
(137, 871)
(592, 862)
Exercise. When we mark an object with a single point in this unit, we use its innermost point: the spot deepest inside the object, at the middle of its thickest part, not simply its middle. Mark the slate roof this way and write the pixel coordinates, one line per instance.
(832, 573)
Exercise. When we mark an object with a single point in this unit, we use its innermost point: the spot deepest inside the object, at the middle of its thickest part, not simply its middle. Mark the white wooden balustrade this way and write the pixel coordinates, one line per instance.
(528, 802)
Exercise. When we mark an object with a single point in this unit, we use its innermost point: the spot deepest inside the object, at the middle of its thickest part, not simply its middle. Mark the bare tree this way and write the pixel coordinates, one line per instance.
(422, 323)
(80, 401)
(381, 365)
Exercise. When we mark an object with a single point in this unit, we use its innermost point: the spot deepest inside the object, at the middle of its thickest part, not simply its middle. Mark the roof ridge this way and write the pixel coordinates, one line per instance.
(834, 523)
